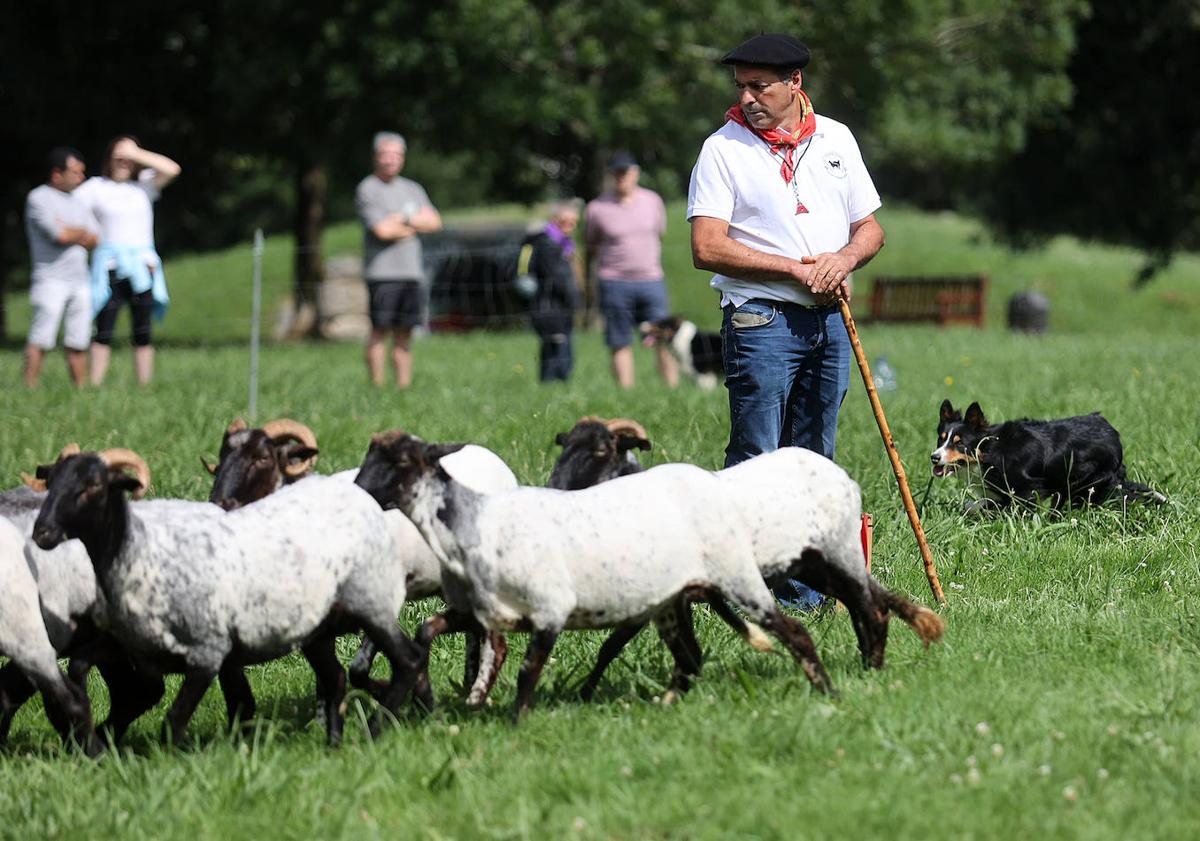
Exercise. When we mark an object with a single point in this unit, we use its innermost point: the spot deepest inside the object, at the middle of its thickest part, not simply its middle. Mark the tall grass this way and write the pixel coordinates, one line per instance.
(1062, 703)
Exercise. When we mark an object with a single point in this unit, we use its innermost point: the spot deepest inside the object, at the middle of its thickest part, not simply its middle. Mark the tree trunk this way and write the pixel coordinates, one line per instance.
(309, 270)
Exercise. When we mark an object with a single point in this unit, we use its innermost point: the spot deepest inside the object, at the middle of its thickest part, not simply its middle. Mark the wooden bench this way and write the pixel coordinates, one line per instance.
(946, 299)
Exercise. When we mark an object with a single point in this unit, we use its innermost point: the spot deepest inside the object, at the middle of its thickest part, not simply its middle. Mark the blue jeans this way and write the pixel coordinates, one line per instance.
(787, 368)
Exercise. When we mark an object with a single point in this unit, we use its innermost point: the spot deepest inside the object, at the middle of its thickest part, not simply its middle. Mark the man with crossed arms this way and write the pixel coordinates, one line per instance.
(782, 210)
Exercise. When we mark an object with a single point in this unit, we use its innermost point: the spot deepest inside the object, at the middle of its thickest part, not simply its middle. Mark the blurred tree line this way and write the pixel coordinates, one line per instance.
(1044, 115)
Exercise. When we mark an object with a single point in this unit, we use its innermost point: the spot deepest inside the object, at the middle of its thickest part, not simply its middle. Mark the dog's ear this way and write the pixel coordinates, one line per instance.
(975, 418)
(949, 413)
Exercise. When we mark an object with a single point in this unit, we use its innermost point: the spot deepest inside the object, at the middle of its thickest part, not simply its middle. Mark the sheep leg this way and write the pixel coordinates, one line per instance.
(616, 642)
(239, 698)
(360, 671)
(360, 666)
(474, 654)
(132, 690)
(795, 637)
(674, 625)
(839, 573)
(15, 690)
(493, 653)
(321, 654)
(755, 599)
(195, 683)
(407, 659)
(68, 710)
(541, 643)
(453, 621)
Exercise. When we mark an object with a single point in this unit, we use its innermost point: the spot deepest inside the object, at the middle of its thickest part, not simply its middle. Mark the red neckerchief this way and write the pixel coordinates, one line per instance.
(781, 142)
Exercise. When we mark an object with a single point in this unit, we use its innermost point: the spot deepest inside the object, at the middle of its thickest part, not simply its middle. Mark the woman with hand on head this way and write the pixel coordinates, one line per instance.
(125, 266)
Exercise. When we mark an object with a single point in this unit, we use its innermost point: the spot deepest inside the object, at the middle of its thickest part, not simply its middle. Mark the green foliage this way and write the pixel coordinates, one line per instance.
(1061, 704)
(506, 100)
(1123, 162)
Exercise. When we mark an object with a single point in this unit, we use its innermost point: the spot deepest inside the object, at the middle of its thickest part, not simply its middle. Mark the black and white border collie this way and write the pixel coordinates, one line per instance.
(1070, 462)
(698, 352)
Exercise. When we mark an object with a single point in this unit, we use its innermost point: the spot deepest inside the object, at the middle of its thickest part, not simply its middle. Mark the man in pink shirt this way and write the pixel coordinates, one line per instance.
(624, 232)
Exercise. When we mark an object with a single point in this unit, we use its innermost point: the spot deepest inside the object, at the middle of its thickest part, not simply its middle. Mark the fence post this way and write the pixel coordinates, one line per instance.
(256, 307)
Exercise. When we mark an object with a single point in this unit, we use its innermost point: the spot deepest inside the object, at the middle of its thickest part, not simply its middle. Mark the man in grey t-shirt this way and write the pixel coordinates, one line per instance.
(393, 211)
(60, 234)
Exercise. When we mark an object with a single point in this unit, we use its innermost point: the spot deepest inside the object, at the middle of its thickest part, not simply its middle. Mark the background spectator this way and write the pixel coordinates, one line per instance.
(59, 237)
(126, 267)
(625, 226)
(546, 256)
(393, 211)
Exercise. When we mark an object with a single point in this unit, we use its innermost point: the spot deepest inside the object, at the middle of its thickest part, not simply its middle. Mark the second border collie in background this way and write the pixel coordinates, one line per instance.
(698, 353)
(1071, 461)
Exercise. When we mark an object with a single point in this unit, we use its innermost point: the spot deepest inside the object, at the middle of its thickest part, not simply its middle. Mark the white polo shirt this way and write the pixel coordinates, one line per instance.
(737, 179)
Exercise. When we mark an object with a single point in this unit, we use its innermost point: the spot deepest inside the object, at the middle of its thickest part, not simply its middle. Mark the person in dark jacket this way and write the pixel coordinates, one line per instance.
(547, 260)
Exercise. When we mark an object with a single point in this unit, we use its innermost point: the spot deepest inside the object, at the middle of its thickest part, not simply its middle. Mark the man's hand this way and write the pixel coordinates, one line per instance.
(829, 273)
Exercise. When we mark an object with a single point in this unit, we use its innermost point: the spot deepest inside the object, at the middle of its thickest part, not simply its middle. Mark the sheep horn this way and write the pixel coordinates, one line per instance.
(39, 485)
(288, 428)
(237, 425)
(625, 426)
(386, 439)
(122, 458)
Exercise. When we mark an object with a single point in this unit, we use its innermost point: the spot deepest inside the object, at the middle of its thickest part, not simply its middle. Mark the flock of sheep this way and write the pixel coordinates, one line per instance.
(281, 559)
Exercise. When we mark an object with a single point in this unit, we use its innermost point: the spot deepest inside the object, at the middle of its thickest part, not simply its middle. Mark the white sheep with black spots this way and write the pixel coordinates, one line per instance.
(23, 638)
(193, 590)
(545, 560)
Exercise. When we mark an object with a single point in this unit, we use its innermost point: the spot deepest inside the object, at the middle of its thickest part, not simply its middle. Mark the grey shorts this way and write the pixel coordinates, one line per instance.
(55, 302)
(627, 303)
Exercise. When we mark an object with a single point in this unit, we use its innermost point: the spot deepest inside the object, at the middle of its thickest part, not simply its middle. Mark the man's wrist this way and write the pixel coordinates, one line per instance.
(853, 254)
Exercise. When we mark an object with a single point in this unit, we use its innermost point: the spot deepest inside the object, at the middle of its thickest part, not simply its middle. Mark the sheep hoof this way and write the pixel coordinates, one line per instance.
(669, 697)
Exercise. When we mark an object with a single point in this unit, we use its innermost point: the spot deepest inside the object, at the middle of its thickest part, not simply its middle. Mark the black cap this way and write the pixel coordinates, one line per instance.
(621, 161)
(770, 49)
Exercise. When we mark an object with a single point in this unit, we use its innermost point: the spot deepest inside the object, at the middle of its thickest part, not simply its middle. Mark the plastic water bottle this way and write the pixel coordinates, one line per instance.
(884, 374)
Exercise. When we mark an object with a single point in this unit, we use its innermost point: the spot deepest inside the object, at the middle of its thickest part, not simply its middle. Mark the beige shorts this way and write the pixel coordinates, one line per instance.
(55, 302)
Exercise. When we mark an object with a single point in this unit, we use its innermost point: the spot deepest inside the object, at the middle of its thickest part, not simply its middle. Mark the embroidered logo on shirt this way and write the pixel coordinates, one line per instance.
(834, 165)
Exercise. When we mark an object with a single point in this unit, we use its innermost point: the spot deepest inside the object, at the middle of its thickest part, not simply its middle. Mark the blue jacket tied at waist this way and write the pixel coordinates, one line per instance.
(131, 265)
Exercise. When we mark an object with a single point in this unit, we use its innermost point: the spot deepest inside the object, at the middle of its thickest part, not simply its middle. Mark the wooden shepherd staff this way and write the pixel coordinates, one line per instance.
(893, 455)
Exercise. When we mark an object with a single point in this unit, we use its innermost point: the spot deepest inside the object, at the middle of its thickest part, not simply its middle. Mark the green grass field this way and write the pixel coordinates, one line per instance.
(1061, 704)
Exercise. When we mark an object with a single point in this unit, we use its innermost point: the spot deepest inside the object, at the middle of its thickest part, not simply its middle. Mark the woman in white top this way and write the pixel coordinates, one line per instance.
(125, 266)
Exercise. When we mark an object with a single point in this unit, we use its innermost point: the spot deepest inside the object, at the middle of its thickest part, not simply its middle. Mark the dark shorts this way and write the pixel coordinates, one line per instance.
(627, 303)
(141, 308)
(396, 303)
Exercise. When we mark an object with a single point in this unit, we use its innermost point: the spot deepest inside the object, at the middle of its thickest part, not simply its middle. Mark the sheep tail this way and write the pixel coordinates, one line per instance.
(927, 624)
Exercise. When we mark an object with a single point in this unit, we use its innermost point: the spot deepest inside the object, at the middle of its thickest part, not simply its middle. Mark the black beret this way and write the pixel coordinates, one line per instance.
(770, 49)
